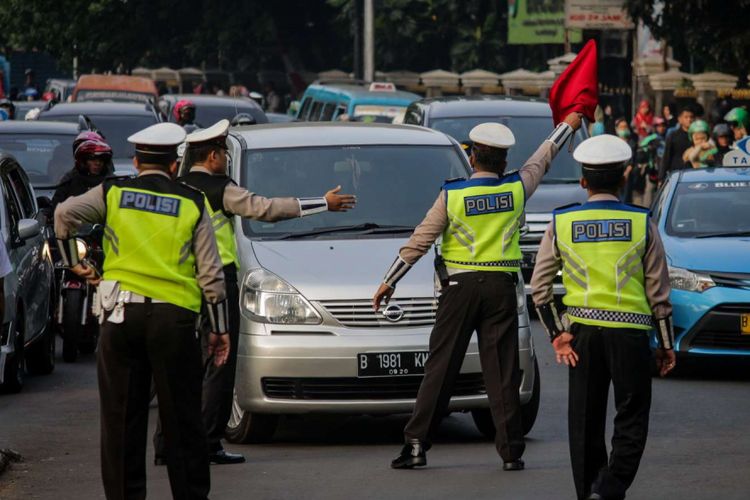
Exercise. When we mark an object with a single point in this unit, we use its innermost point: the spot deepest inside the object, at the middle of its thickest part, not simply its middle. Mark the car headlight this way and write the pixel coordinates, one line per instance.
(270, 299)
(82, 248)
(682, 279)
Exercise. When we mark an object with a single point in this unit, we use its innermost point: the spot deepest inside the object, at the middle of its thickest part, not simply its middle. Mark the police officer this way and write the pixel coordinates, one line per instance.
(160, 254)
(617, 289)
(207, 152)
(479, 221)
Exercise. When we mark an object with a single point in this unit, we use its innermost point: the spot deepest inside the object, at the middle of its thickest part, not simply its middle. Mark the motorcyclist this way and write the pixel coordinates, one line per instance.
(739, 121)
(701, 154)
(723, 137)
(184, 115)
(93, 163)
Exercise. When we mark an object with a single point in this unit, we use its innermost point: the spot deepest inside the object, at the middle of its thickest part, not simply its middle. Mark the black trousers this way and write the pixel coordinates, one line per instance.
(155, 341)
(218, 381)
(620, 356)
(484, 302)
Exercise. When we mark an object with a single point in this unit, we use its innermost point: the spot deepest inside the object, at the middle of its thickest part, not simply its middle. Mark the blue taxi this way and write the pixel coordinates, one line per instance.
(376, 102)
(703, 217)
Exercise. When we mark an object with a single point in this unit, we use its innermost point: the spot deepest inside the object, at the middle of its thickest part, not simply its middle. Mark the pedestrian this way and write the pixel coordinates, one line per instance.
(609, 119)
(184, 115)
(479, 221)
(160, 254)
(273, 99)
(667, 113)
(208, 152)
(622, 129)
(617, 289)
(676, 144)
(702, 151)
(643, 120)
(647, 159)
(9, 108)
(739, 121)
(724, 137)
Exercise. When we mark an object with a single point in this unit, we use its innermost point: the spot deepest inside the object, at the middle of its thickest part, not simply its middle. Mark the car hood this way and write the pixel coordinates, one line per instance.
(727, 255)
(549, 196)
(342, 269)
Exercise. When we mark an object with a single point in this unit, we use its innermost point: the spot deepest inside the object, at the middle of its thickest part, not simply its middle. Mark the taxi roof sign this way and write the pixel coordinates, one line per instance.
(740, 155)
(382, 87)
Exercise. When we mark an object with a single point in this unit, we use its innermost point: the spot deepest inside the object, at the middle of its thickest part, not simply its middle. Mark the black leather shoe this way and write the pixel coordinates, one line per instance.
(514, 465)
(413, 454)
(160, 460)
(594, 496)
(222, 457)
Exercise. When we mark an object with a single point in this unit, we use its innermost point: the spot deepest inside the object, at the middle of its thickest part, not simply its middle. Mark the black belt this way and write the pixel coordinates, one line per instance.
(495, 263)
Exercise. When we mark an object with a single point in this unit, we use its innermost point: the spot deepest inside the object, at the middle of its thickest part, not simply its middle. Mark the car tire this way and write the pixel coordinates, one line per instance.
(13, 377)
(72, 303)
(483, 417)
(245, 427)
(40, 360)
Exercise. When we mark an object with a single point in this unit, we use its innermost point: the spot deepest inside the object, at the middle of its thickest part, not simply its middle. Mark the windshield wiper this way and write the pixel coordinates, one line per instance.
(366, 228)
(723, 235)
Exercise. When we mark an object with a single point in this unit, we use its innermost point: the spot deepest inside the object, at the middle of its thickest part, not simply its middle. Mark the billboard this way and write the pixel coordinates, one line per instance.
(597, 15)
(538, 21)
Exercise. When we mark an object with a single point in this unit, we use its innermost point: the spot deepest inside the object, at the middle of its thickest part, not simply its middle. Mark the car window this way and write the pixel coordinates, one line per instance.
(305, 108)
(44, 157)
(315, 111)
(529, 131)
(20, 184)
(394, 185)
(660, 200)
(115, 128)
(704, 208)
(13, 210)
(340, 110)
(327, 114)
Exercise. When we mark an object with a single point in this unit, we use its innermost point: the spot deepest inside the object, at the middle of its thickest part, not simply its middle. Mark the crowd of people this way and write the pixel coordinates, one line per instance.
(673, 140)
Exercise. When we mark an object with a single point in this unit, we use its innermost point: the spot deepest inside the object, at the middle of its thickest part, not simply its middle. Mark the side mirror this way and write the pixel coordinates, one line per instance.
(28, 228)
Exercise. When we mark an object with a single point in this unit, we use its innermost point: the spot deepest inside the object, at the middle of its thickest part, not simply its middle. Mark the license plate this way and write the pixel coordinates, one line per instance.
(745, 324)
(391, 364)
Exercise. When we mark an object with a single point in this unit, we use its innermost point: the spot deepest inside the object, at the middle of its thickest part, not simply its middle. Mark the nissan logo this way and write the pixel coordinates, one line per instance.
(393, 313)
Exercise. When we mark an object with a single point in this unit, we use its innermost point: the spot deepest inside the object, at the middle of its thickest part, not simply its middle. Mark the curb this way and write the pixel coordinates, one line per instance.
(8, 456)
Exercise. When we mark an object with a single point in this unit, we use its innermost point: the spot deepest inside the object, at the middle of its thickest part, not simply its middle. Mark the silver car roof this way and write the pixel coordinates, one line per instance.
(308, 134)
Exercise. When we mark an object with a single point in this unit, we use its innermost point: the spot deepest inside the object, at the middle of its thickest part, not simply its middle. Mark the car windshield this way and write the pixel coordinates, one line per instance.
(394, 185)
(703, 209)
(44, 157)
(115, 128)
(208, 114)
(113, 96)
(529, 132)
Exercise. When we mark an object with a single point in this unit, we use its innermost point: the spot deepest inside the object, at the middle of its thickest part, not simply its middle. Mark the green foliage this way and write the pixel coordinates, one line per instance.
(429, 34)
(715, 33)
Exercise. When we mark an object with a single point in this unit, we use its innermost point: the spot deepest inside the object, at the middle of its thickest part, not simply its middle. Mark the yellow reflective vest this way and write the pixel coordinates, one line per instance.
(602, 245)
(483, 223)
(148, 238)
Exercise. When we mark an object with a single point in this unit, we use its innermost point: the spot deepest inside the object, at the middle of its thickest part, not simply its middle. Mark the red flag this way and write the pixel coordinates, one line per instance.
(577, 88)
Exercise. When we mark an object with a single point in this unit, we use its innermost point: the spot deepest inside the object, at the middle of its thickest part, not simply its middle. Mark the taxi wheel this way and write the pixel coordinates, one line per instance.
(245, 427)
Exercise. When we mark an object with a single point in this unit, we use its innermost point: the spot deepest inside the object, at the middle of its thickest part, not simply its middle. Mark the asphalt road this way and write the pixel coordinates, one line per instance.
(699, 447)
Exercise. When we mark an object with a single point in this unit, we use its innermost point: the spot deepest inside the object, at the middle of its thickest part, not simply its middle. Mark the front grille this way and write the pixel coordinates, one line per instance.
(731, 280)
(361, 388)
(720, 329)
(359, 313)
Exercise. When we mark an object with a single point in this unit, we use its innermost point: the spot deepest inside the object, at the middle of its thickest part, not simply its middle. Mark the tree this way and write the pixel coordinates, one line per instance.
(715, 33)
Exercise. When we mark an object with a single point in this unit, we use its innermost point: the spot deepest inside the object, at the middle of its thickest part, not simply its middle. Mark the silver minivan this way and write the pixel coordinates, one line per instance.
(309, 340)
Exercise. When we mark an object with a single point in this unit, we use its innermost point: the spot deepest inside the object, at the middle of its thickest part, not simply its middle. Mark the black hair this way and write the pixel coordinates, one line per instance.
(490, 159)
(199, 154)
(686, 107)
(160, 159)
(604, 177)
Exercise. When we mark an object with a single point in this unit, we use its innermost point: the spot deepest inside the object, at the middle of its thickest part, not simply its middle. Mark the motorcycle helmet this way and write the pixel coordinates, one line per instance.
(698, 126)
(722, 130)
(243, 119)
(87, 135)
(738, 117)
(184, 104)
(93, 149)
(8, 106)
